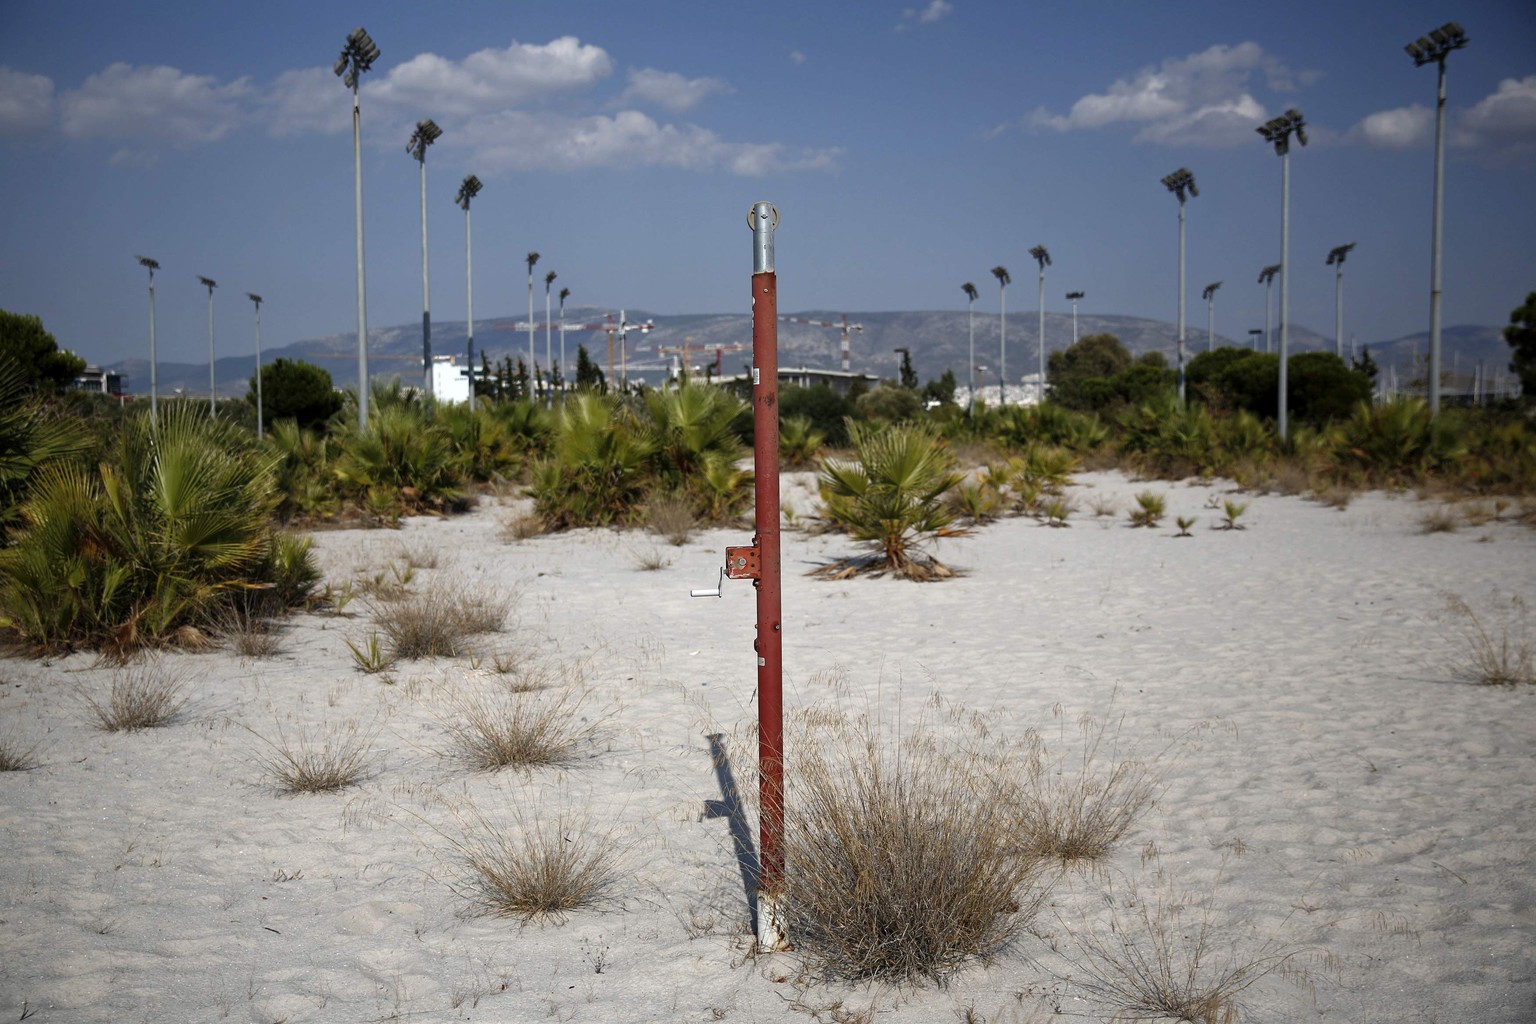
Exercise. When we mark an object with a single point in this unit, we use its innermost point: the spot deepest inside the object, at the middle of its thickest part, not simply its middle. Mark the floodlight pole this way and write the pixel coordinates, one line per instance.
(426, 133)
(1267, 279)
(1253, 338)
(213, 410)
(1209, 295)
(533, 373)
(1279, 131)
(357, 56)
(1073, 298)
(549, 329)
(257, 300)
(1043, 258)
(564, 367)
(1436, 47)
(1001, 273)
(1181, 183)
(154, 363)
(970, 317)
(467, 191)
(1336, 260)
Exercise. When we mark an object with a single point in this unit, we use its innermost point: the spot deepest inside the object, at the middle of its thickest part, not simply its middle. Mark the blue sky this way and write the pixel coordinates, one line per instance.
(909, 149)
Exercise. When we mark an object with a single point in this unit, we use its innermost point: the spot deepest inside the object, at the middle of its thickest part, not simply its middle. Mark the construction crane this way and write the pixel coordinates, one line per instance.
(687, 348)
(621, 327)
(845, 325)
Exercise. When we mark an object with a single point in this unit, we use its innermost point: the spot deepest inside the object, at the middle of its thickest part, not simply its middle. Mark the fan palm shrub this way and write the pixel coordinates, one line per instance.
(696, 448)
(1398, 442)
(893, 498)
(401, 465)
(595, 472)
(151, 544)
(800, 443)
(481, 443)
(302, 476)
(30, 438)
(1162, 438)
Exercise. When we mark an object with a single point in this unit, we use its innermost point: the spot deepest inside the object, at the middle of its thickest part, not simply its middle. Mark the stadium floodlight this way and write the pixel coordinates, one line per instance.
(549, 329)
(1209, 295)
(426, 133)
(565, 293)
(1003, 281)
(1182, 184)
(468, 189)
(257, 300)
(1253, 338)
(970, 318)
(533, 368)
(1278, 131)
(1267, 279)
(1073, 298)
(210, 284)
(154, 398)
(357, 56)
(1336, 260)
(1043, 258)
(1436, 48)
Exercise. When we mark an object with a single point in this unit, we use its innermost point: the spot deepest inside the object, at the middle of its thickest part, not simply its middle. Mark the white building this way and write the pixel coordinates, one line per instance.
(450, 381)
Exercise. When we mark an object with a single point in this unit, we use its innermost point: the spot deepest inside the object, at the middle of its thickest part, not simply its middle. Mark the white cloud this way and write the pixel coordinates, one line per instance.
(670, 90)
(519, 140)
(935, 10)
(1504, 122)
(491, 79)
(150, 105)
(1401, 128)
(1204, 99)
(26, 102)
(796, 57)
(311, 100)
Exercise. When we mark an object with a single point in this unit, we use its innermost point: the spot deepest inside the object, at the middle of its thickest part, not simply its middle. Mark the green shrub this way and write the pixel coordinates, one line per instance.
(292, 389)
(31, 437)
(150, 545)
(401, 465)
(595, 473)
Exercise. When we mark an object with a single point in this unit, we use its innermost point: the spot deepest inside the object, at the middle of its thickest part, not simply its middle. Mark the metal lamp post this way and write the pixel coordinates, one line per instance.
(357, 56)
(467, 191)
(1267, 279)
(1209, 295)
(564, 294)
(1279, 131)
(426, 133)
(1253, 338)
(533, 372)
(1073, 298)
(1336, 260)
(1043, 258)
(1436, 47)
(257, 300)
(970, 317)
(1182, 184)
(154, 398)
(1003, 280)
(549, 331)
(210, 284)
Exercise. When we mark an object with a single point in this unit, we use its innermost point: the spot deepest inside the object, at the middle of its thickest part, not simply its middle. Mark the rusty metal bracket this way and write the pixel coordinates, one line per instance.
(743, 563)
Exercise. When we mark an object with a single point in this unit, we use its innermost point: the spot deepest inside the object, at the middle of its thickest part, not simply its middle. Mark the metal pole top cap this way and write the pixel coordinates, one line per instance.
(762, 211)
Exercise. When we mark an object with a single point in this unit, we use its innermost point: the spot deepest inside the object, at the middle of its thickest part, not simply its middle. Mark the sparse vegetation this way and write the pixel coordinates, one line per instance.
(144, 696)
(535, 870)
(1184, 523)
(1150, 509)
(438, 622)
(902, 860)
(338, 757)
(371, 655)
(1231, 512)
(520, 731)
(1439, 518)
(1501, 653)
(16, 755)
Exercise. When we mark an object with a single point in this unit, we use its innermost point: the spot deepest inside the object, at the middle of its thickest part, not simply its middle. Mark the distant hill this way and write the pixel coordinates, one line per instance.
(938, 340)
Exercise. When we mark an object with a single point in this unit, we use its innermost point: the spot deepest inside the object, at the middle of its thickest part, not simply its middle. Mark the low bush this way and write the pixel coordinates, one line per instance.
(140, 697)
(438, 622)
(535, 870)
(336, 758)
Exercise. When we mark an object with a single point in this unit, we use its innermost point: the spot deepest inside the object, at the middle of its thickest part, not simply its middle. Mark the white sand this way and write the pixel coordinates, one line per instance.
(1331, 788)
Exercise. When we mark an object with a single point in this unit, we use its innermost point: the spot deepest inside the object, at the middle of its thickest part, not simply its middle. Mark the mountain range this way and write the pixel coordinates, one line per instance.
(937, 340)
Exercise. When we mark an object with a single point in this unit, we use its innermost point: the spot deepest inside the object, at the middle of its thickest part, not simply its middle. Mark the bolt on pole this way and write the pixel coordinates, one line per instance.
(770, 670)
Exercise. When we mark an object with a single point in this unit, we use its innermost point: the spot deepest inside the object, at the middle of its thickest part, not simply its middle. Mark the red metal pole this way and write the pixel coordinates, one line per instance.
(770, 666)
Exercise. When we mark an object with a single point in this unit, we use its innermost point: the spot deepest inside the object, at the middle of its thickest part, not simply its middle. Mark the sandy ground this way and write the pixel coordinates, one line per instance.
(1331, 791)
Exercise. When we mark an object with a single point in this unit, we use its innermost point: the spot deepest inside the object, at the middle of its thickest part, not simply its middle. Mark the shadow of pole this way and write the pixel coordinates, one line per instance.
(729, 807)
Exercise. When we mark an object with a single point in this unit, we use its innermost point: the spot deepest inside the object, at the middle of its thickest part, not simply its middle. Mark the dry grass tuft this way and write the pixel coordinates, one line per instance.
(520, 731)
(1440, 519)
(671, 516)
(1494, 654)
(535, 871)
(250, 635)
(523, 526)
(338, 758)
(1077, 809)
(14, 757)
(902, 862)
(141, 697)
(651, 561)
(1165, 958)
(439, 622)
(1103, 506)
